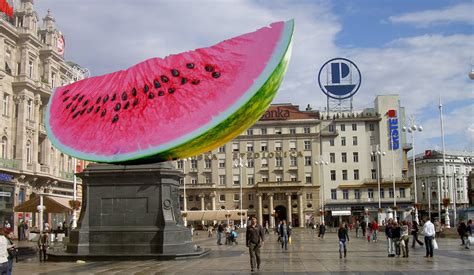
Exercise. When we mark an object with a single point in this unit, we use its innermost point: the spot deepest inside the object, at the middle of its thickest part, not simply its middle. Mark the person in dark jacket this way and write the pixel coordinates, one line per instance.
(414, 232)
(284, 231)
(322, 230)
(463, 232)
(363, 225)
(389, 235)
(343, 238)
(396, 235)
(254, 239)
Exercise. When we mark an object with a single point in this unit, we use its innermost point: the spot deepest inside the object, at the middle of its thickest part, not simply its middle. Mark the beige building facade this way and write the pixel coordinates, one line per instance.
(31, 65)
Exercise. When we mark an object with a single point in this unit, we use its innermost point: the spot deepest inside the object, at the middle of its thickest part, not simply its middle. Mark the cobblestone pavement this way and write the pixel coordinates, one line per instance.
(307, 254)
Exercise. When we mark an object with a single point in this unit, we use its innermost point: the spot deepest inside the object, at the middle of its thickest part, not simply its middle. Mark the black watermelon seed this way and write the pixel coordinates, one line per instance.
(195, 81)
(156, 84)
(161, 93)
(113, 97)
(115, 119)
(171, 90)
(69, 105)
(125, 107)
(75, 115)
(98, 100)
(75, 97)
(146, 88)
(209, 68)
(106, 98)
(174, 72)
(103, 112)
(65, 92)
(80, 98)
(73, 109)
(97, 109)
(134, 92)
(82, 111)
(184, 80)
(190, 65)
(216, 74)
(151, 95)
(85, 102)
(164, 79)
(135, 102)
(90, 109)
(117, 107)
(124, 96)
(66, 98)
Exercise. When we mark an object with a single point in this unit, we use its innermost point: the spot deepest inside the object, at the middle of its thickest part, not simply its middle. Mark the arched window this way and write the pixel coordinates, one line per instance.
(51, 157)
(4, 148)
(28, 152)
(69, 164)
(61, 162)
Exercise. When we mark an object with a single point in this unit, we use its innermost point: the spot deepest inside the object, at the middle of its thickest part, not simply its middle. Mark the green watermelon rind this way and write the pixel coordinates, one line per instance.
(251, 106)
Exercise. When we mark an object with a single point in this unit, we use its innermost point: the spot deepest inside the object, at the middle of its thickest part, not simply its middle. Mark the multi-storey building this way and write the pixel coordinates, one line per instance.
(31, 64)
(284, 151)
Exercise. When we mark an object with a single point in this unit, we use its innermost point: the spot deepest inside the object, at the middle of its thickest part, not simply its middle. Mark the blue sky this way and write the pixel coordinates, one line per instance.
(418, 49)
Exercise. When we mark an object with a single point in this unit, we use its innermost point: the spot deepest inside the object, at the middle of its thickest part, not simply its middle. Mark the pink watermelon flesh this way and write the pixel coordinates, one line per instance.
(159, 100)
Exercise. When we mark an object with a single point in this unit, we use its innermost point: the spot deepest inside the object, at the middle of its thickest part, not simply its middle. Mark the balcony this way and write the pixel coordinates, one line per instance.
(9, 163)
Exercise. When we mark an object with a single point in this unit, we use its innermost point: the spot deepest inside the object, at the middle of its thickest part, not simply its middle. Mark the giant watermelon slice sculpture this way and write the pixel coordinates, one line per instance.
(173, 107)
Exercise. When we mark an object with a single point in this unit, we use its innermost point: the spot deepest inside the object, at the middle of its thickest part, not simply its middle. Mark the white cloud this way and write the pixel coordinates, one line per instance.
(458, 13)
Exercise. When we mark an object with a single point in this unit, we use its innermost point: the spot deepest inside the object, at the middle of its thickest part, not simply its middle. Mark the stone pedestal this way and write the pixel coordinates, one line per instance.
(130, 212)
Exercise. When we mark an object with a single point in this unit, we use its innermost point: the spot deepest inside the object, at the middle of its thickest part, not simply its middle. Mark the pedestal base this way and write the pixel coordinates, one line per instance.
(130, 212)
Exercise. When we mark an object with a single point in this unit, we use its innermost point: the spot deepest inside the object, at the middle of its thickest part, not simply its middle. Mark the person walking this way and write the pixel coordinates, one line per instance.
(429, 232)
(284, 233)
(220, 232)
(322, 231)
(414, 232)
(343, 238)
(375, 230)
(3, 252)
(209, 231)
(43, 244)
(405, 239)
(357, 226)
(12, 251)
(369, 231)
(363, 225)
(463, 233)
(254, 238)
(396, 236)
(266, 228)
(389, 235)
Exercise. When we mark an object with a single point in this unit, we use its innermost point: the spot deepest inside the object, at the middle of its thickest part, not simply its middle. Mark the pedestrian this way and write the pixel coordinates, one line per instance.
(3, 251)
(254, 239)
(220, 232)
(405, 239)
(357, 226)
(12, 251)
(375, 229)
(209, 231)
(470, 228)
(322, 230)
(389, 235)
(266, 228)
(396, 236)
(429, 232)
(343, 238)
(369, 231)
(191, 228)
(463, 233)
(284, 233)
(363, 225)
(43, 244)
(414, 232)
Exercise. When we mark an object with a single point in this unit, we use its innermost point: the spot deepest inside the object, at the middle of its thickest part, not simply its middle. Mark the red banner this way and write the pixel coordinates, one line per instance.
(6, 8)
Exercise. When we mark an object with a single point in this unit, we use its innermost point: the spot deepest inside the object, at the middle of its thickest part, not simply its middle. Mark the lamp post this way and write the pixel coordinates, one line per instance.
(427, 187)
(185, 220)
(412, 128)
(239, 163)
(74, 196)
(377, 155)
(321, 164)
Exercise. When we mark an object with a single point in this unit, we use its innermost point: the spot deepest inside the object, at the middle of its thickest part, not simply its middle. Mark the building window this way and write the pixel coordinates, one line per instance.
(308, 178)
(370, 193)
(29, 152)
(391, 193)
(332, 157)
(356, 174)
(250, 163)
(331, 127)
(264, 178)
(382, 193)
(180, 164)
(343, 127)
(333, 175)
(354, 127)
(249, 147)
(207, 163)
(344, 157)
(264, 162)
(194, 164)
(191, 198)
(222, 149)
(236, 197)
(278, 146)
(343, 141)
(278, 161)
(264, 146)
(308, 161)
(194, 180)
(208, 180)
(307, 130)
(344, 174)
(307, 145)
(250, 180)
(250, 197)
(29, 109)
(293, 177)
(331, 142)
(333, 194)
(402, 192)
(292, 145)
(355, 157)
(357, 194)
(6, 104)
(374, 174)
(221, 179)
(309, 196)
(30, 69)
(278, 178)
(372, 127)
(292, 131)
(249, 132)
(277, 131)
(345, 194)
(222, 163)
(236, 179)
(235, 147)
(222, 198)
(373, 158)
(4, 148)
(293, 161)
(263, 131)
(354, 141)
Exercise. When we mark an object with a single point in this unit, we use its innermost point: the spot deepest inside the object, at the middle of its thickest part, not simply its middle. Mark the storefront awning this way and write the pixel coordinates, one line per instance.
(214, 215)
(52, 205)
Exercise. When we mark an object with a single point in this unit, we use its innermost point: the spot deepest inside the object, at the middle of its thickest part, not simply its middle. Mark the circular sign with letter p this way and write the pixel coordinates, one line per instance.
(339, 78)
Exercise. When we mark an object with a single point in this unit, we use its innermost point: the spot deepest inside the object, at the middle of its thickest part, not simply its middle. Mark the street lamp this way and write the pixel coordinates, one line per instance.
(321, 164)
(428, 192)
(377, 155)
(185, 221)
(74, 198)
(412, 128)
(238, 163)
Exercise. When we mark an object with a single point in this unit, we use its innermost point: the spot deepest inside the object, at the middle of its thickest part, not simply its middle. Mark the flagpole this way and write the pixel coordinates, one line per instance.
(447, 222)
